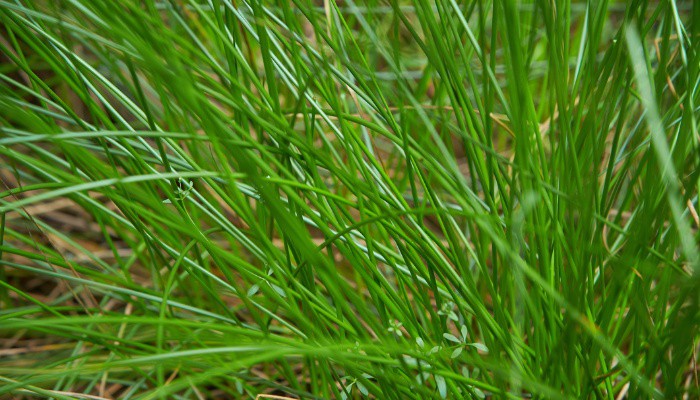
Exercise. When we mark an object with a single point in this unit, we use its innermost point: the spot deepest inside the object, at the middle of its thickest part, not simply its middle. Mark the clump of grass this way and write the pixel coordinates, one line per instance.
(393, 200)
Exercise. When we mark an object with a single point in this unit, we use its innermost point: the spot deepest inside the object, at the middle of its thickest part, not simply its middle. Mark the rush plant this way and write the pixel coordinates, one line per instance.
(343, 199)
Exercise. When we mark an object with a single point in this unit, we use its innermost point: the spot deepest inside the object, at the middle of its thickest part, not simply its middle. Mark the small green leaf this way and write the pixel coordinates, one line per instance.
(410, 361)
(451, 337)
(253, 290)
(348, 389)
(362, 388)
(479, 346)
(279, 290)
(441, 386)
(456, 352)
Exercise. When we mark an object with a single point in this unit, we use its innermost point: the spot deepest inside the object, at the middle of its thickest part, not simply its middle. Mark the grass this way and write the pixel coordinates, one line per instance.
(393, 200)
